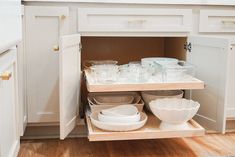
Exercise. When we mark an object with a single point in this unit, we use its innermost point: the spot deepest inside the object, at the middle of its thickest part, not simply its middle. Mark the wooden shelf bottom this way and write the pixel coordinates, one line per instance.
(149, 131)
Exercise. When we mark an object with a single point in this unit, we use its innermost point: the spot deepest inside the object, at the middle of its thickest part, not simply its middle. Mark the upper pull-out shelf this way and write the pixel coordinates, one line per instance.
(191, 83)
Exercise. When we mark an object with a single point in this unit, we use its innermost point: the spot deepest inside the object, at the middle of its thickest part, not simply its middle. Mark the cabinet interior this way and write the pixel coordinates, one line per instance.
(126, 49)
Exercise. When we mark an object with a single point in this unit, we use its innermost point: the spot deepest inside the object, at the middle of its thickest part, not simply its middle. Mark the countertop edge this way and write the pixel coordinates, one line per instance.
(9, 45)
(147, 2)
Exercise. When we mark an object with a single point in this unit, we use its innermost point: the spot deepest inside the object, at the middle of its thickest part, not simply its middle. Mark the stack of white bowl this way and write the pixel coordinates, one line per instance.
(149, 96)
(119, 118)
(101, 101)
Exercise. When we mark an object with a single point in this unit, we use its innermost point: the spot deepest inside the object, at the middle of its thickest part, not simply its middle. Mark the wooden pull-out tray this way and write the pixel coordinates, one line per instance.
(149, 131)
(193, 83)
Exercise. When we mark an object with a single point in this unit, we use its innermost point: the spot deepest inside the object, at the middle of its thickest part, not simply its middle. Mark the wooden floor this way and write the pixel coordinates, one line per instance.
(212, 145)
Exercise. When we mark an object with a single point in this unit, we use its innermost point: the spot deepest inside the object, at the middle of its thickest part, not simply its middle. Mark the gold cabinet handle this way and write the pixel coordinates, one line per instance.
(6, 76)
(56, 48)
(228, 22)
(136, 21)
(62, 17)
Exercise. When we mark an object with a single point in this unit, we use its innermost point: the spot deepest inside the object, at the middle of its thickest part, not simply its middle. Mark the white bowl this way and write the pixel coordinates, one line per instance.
(174, 112)
(164, 61)
(149, 96)
(113, 99)
(119, 119)
(118, 126)
(121, 110)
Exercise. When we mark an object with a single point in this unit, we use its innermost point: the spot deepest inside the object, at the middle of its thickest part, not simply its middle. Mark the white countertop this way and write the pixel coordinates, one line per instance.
(181, 2)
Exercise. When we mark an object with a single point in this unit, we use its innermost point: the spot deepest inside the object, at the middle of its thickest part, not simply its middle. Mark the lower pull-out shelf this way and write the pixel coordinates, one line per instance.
(149, 131)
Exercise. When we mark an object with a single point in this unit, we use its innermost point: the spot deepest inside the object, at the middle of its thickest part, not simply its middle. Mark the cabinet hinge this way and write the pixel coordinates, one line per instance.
(80, 47)
(188, 46)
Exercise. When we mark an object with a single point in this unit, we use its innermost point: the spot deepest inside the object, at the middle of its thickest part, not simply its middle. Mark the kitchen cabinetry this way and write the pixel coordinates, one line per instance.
(221, 23)
(213, 99)
(9, 108)
(217, 21)
(123, 33)
(134, 20)
(44, 26)
(21, 79)
(231, 93)
(212, 112)
(70, 67)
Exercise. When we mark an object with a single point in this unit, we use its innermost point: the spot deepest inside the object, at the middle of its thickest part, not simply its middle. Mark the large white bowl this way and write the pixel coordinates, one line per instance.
(149, 96)
(119, 119)
(118, 126)
(173, 112)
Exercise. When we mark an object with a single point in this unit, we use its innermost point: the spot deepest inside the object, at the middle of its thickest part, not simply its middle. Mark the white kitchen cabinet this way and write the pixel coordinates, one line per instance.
(230, 109)
(217, 21)
(70, 80)
(202, 51)
(211, 57)
(9, 109)
(70, 77)
(21, 79)
(134, 20)
(46, 91)
(44, 26)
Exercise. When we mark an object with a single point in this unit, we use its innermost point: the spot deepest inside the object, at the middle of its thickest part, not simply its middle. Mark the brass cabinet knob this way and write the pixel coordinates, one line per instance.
(5, 76)
(56, 48)
(62, 17)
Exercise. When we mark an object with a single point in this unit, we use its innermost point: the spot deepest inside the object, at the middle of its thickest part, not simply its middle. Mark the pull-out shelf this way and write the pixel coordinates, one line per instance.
(192, 83)
(149, 131)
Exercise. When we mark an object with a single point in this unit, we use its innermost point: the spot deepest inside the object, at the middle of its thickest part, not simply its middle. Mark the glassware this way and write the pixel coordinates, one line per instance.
(105, 71)
(180, 72)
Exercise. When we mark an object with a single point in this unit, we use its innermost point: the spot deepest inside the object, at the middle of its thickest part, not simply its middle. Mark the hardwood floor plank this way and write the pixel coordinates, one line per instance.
(211, 145)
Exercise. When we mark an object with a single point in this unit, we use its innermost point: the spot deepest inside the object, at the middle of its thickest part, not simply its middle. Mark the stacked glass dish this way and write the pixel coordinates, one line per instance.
(148, 70)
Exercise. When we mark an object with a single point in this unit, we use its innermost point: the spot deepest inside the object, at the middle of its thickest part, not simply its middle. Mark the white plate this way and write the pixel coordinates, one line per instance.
(118, 126)
(119, 119)
(121, 110)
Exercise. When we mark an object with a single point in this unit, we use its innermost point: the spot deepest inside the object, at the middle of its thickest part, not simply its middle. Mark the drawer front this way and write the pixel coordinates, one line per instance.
(217, 21)
(134, 20)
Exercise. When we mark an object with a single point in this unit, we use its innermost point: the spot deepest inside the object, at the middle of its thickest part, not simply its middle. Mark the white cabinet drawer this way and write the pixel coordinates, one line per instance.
(217, 21)
(134, 20)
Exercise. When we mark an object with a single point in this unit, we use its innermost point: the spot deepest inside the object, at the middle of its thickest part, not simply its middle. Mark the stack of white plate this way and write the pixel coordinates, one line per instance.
(119, 118)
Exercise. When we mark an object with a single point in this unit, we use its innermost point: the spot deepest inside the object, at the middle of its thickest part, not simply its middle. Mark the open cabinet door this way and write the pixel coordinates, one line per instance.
(70, 70)
(210, 57)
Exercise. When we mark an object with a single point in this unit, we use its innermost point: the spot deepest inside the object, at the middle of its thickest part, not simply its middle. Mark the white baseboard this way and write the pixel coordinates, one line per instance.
(15, 149)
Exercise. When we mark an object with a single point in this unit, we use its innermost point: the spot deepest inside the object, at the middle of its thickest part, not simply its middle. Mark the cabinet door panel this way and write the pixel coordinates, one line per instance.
(44, 25)
(210, 56)
(70, 76)
(9, 129)
(231, 94)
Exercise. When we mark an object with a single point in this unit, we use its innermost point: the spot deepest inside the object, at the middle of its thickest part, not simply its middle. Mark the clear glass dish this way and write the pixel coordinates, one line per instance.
(105, 72)
(183, 71)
